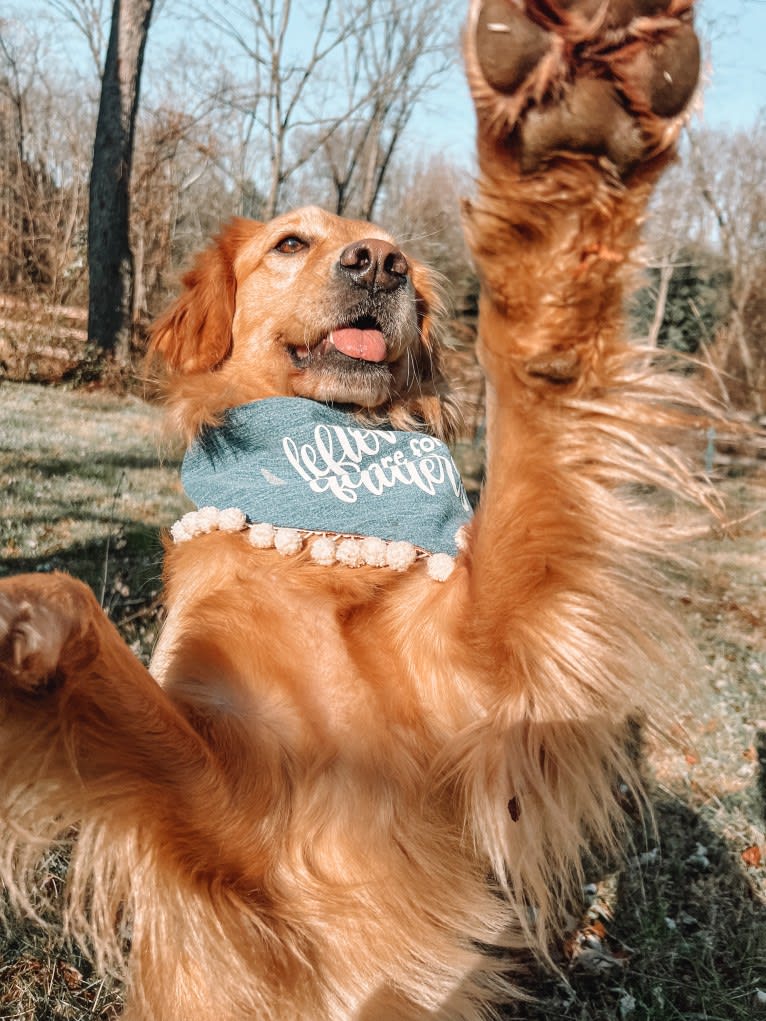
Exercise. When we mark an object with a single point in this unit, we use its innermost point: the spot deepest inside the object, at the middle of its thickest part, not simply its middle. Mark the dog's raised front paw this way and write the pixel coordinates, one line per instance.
(603, 78)
(44, 630)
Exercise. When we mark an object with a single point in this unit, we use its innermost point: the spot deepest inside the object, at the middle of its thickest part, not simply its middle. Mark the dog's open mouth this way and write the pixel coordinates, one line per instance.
(362, 340)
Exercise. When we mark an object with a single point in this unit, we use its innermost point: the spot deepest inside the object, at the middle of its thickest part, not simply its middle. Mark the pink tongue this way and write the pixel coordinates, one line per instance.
(369, 345)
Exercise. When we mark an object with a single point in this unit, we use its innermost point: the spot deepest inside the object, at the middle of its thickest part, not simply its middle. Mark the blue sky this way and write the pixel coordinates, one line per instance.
(733, 32)
(734, 38)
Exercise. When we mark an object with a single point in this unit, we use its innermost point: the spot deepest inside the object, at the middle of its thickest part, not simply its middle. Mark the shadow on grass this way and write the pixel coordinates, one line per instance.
(96, 466)
(125, 574)
(133, 550)
(56, 511)
(686, 940)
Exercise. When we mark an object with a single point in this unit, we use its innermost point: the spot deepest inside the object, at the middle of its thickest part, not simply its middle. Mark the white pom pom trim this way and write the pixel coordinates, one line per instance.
(207, 519)
(288, 541)
(323, 551)
(326, 548)
(374, 552)
(440, 566)
(231, 520)
(261, 535)
(179, 532)
(461, 538)
(401, 555)
(349, 552)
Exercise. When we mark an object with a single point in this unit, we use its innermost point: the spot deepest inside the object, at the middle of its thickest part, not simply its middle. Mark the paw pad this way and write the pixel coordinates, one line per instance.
(509, 46)
(597, 77)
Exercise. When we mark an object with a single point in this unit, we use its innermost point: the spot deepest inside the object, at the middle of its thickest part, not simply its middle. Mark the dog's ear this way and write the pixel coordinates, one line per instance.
(428, 402)
(194, 334)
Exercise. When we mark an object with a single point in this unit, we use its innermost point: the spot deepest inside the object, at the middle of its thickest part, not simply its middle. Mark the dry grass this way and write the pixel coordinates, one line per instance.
(677, 933)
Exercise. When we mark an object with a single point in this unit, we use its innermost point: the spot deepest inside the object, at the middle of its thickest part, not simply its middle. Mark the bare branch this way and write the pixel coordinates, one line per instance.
(89, 17)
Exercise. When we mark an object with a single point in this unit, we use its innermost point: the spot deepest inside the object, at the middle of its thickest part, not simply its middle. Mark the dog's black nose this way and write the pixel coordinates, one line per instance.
(374, 264)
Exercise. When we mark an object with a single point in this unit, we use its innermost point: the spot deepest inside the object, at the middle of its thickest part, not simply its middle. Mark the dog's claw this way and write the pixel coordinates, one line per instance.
(604, 78)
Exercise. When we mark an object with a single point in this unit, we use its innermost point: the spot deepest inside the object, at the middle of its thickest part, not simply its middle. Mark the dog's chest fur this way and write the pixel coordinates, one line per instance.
(330, 661)
(355, 738)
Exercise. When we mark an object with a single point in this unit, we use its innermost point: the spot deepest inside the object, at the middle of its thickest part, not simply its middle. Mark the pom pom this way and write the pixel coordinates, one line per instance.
(440, 566)
(400, 555)
(207, 520)
(261, 536)
(288, 541)
(231, 520)
(180, 533)
(374, 552)
(189, 523)
(461, 537)
(323, 551)
(349, 552)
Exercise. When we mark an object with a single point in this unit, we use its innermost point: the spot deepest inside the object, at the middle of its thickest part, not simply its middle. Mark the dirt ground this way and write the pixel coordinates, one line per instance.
(677, 932)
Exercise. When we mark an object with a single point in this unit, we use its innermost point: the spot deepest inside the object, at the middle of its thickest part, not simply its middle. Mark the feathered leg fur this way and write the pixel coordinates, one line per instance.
(579, 423)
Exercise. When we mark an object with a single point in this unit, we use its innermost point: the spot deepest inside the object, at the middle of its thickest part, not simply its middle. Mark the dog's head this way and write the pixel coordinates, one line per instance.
(306, 305)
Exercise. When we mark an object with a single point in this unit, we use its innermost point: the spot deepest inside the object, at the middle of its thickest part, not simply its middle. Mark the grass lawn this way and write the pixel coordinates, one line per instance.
(676, 933)
(87, 483)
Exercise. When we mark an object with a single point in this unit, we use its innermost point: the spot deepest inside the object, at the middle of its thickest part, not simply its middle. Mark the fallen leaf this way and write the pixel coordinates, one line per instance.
(71, 976)
(752, 856)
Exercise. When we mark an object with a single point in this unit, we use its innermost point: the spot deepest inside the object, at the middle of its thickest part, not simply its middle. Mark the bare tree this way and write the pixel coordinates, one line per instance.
(341, 102)
(176, 149)
(729, 172)
(15, 83)
(399, 53)
(43, 161)
(89, 18)
(278, 90)
(405, 55)
(110, 259)
(711, 207)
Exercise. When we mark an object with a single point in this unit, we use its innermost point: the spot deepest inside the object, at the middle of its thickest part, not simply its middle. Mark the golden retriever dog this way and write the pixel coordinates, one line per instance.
(379, 734)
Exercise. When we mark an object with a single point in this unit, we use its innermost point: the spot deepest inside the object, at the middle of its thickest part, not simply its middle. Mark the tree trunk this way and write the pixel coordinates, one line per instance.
(110, 260)
(666, 274)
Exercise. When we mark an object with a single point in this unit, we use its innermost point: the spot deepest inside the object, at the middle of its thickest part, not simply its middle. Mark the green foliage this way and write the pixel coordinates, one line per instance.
(697, 301)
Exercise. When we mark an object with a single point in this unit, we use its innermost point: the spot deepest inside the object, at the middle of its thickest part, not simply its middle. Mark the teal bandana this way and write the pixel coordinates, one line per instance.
(296, 463)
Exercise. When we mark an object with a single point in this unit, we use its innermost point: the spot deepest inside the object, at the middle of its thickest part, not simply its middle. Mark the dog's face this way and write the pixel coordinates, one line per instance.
(306, 305)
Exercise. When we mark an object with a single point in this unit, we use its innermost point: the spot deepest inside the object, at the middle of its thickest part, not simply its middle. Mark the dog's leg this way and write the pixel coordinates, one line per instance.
(578, 105)
(88, 735)
(96, 756)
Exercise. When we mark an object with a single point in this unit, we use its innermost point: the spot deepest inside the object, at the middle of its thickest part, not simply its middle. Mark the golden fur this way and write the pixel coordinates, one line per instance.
(349, 783)
(241, 289)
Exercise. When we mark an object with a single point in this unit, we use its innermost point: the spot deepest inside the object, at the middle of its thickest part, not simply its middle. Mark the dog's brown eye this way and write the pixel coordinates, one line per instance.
(290, 245)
